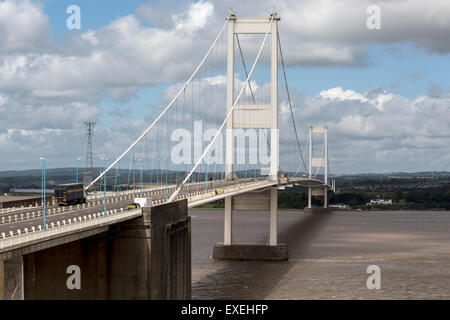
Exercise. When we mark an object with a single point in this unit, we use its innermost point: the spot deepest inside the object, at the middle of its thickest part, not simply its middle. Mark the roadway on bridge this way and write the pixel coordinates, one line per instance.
(20, 221)
(198, 193)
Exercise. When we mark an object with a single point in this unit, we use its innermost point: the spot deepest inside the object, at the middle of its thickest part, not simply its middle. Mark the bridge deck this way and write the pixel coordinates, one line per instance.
(24, 227)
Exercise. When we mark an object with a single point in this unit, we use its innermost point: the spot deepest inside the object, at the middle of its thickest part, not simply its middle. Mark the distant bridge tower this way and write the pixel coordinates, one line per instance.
(321, 162)
(89, 167)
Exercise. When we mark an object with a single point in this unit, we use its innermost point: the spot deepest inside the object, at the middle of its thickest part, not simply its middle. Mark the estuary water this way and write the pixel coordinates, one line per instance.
(329, 255)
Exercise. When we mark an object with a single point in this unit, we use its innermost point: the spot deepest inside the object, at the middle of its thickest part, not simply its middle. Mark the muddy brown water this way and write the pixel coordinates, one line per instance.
(329, 256)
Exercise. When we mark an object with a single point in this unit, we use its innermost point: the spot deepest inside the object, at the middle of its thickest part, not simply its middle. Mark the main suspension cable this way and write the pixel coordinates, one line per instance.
(290, 103)
(165, 109)
(175, 194)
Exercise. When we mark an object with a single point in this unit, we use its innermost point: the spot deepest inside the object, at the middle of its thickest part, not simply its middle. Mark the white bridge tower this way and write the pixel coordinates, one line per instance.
(265, 116)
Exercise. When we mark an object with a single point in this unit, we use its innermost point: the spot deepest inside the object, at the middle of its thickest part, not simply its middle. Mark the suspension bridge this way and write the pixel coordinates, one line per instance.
(227, 95)
(218, 138)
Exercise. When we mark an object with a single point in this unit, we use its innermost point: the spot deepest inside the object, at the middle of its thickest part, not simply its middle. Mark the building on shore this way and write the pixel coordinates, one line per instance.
(22, 201)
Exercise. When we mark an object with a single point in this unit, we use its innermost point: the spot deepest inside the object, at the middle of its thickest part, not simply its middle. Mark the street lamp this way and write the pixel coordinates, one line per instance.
(142, 166)
(166, 176)
(134, 174)
(118, 182)
(157, 172)
(206, 177)
(44, 200)
(140, 176)
(78, 165)
(104, 188)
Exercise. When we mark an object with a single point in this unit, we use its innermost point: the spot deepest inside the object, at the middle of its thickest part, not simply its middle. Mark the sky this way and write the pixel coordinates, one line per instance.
(383, 93)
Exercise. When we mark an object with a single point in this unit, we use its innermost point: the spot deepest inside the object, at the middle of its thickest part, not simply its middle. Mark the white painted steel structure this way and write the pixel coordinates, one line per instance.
(263, 115)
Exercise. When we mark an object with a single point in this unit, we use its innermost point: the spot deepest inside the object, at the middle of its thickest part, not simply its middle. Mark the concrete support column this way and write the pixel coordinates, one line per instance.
(273, 231)
(325, 197)
(228, 222)
(170, 271)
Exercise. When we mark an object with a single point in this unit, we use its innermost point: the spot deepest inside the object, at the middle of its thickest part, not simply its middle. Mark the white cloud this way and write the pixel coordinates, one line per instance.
(378, 100)
(195, 18)
(365, 127)
(373, 131)
(422, 23)
(125, 55)
(120, 56)
(47, 89)
(23, 27)
(341, 95)
(329, 32)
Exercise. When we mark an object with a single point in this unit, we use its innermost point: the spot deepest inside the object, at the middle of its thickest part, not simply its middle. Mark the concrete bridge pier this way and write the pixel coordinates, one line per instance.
(259, 200)
(148, 257)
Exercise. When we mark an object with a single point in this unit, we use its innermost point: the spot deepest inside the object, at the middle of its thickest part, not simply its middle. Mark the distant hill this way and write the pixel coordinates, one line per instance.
(393, 175)
(31, 179)
(71, 171)
(38, 172)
